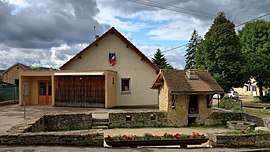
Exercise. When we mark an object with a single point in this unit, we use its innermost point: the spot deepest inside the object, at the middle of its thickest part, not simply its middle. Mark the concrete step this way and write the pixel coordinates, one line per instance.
(100, 127)
(100, 123)
(100, 120)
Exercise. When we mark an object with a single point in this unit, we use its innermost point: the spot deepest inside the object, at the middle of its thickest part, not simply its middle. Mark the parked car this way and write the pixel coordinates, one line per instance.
(216, 96)
(232, 94)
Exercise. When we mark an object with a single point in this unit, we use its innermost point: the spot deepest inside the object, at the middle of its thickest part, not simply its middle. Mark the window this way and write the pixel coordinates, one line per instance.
(17, 82)
(247, 88)
(253, 88)
(125, 85)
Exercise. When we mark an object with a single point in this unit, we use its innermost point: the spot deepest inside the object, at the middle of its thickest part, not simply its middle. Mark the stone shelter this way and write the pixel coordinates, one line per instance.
(109, 72)
(11, 75)
(186, 95)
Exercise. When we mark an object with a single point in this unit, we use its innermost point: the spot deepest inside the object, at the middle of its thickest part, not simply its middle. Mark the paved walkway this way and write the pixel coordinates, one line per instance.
(11, 115)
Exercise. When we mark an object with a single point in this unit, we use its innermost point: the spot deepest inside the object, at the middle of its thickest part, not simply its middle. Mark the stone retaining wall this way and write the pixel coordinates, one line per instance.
(55, 122)
(221, 117)
(138, 119)
(75, 138)
(260, 121)
(242, 140)
(58, 122)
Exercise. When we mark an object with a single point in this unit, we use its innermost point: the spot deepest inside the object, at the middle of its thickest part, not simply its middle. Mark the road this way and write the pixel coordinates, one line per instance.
(88, 149)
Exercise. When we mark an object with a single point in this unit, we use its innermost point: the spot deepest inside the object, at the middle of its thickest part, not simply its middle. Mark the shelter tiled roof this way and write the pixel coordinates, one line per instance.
(178, 82)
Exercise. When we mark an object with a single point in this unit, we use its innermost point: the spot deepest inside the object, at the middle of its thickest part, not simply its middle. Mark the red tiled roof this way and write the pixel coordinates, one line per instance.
(177, 82)
(129, 44)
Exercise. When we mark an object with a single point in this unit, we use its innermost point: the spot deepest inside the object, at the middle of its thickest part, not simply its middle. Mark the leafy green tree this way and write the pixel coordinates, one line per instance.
(220, 53)
(160, 60)
(255, 40)
(192, 49)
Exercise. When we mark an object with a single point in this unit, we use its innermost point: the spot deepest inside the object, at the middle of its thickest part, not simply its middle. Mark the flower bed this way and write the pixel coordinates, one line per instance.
(153, 140)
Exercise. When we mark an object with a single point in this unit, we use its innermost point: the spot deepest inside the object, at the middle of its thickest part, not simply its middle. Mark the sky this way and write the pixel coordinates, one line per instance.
(49, 32)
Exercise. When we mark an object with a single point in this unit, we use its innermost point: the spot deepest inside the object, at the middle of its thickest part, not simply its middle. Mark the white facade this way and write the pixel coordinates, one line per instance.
(129, 66)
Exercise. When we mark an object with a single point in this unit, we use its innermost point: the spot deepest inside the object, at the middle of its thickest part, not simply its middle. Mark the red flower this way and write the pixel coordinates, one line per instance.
(170, 135)
(110, 138)
(259, 131)
(177, 136)
(202, 136)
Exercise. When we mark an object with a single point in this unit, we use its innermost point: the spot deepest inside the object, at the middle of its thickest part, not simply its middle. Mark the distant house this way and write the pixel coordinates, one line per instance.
(250, 89)
(109, 72)
(186, 95)
(11, 75)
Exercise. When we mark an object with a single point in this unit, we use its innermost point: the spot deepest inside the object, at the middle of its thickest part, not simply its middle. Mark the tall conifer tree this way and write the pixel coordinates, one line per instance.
(192, 49)
(160, 60)
(220, 54)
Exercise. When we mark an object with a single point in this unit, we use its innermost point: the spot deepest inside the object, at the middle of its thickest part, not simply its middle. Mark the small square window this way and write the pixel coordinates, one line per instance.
(125, 85)
(128, 117)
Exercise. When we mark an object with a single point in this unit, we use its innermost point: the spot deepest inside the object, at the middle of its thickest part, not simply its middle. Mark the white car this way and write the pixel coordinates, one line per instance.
(216, 96)
(232, 94)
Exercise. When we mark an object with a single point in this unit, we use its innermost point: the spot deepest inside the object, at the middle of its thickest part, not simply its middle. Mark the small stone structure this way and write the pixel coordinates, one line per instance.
(238, 125)
(186, 95)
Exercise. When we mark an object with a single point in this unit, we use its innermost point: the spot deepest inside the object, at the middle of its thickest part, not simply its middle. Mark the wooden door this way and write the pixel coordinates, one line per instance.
(44, 93)
(80, 91)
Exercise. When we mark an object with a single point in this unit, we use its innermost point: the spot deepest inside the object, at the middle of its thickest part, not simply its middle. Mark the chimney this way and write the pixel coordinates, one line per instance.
(192, 75)
(96, 37)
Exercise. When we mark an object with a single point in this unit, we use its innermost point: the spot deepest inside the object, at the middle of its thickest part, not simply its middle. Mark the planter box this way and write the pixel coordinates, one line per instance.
(134, 143)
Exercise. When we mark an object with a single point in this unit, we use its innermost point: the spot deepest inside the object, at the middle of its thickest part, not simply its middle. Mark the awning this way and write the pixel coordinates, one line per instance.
(78, 73)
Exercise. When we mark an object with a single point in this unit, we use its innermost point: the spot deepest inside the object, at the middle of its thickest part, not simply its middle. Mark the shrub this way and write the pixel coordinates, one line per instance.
(229, 104)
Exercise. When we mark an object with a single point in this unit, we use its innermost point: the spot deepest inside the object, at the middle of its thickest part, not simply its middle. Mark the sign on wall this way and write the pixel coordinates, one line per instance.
(25, 88)
(112, 58)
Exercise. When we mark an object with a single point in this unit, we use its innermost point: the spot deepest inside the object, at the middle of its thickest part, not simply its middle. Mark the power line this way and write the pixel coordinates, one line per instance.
(235, 26)
(172, 8)
(169, 49)
(253, 19)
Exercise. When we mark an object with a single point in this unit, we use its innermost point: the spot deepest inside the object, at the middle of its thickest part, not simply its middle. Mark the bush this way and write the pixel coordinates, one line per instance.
(229, 104)
(265, 98)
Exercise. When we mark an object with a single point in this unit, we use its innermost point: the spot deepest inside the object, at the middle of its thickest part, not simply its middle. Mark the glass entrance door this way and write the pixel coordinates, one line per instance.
(45, 93)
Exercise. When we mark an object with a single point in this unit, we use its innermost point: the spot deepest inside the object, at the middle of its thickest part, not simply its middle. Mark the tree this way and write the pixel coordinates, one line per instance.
(255, 40)
(192, 49)
(160, 60)
(220, 53)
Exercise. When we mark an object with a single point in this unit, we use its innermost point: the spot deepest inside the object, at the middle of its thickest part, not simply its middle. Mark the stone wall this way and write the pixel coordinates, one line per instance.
(242, 140)
(252, 118)
(138, 119)
(221, 117)
(178, 115)
(58, 122)
(204, 109)
(163, 98)
(76, 138)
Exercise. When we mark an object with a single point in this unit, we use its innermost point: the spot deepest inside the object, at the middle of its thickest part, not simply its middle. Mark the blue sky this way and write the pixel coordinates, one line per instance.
(48, 33)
